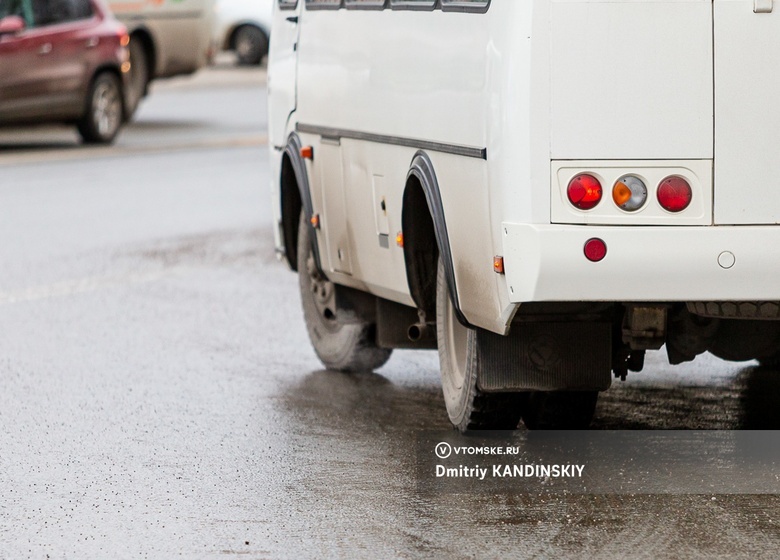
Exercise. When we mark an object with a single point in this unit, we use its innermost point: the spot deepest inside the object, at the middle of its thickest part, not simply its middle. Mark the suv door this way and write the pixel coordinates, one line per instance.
(21, 82)
(44, 67)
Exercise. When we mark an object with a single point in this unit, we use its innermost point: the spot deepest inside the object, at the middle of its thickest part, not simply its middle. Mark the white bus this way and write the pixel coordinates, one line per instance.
(543, 190)
(167, 38)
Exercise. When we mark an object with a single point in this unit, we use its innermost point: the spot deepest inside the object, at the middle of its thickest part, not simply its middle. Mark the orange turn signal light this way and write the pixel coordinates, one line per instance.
(498, 265)
(621, 193)
(315, 221)
(307, 152)
(629, 193)
(399, 239)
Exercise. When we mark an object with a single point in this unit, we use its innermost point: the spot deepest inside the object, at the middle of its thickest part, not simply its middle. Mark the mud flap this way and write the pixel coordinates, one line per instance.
(546, 356)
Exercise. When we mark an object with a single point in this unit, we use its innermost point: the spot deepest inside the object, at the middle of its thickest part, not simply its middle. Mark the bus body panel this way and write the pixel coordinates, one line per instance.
(431, 64)
(631, 80)
(355, 96)
(647, 264)
(282, 72)
(747, 144)
(371, 172)
(545, 88)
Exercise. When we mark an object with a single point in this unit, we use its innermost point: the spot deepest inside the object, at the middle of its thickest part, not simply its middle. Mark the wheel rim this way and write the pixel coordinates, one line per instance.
(323, 293)
(247, 44)
(107, 109)
(457, 348)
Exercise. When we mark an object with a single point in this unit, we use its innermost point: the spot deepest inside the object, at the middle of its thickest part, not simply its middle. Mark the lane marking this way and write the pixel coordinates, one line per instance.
(87, 153)
(79, 286)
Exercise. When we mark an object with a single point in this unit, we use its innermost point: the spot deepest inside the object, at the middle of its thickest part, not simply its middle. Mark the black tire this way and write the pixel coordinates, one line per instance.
(559, 410)
(348, 347)
(103, 115)
(138, 78)
(467, 407)
(250, 44)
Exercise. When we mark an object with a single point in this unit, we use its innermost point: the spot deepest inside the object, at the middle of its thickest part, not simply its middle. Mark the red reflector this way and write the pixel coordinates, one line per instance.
(674, 194)
(584, 191)
(595, 249)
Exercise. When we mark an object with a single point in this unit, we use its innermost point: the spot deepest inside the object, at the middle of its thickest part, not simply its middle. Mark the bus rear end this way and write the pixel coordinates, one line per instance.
(663, 174)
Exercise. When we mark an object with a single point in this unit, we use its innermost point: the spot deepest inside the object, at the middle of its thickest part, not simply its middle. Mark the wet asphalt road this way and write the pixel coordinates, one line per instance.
(160, 398)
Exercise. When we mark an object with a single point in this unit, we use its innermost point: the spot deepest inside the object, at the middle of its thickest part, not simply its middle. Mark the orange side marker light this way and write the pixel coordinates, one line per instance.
(498, 264)
(307, 152)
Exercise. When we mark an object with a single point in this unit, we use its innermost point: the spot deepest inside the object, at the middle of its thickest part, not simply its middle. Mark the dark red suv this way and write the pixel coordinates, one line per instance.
(63, 61)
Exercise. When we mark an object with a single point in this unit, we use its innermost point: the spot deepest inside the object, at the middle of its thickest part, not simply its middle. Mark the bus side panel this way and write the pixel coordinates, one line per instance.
(467, 209)
(376, 174)
(398, 73)
(518, 124)
(376, 264)
(410, 75)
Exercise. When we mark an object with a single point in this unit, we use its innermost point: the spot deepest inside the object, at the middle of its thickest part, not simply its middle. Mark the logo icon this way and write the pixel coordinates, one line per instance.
(443, 450)
(544, 352)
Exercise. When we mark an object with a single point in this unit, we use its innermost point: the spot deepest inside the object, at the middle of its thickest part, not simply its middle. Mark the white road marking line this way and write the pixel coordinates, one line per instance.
(78, 153)
(79, 286)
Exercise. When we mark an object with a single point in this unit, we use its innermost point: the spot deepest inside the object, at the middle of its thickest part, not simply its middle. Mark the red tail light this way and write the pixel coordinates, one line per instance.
(584, 191)
(674, 194)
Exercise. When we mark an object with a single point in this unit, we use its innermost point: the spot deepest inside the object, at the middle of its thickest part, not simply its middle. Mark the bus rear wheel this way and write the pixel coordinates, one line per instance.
(341, 346)
(467, 407)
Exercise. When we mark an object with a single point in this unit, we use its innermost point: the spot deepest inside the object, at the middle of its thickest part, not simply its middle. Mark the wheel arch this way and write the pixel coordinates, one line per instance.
(150, 50)
(425, 237)
(295, 196)
(112, 68)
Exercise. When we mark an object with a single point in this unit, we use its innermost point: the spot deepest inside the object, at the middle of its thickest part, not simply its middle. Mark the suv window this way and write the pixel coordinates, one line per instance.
(15, 8)
(50, 12)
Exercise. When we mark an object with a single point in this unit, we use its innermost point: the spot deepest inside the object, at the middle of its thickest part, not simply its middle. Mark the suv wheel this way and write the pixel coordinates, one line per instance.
(250, 44)
(103, 116)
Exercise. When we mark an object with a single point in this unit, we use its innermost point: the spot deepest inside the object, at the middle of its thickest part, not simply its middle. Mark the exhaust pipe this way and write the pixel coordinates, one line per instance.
(422, 332)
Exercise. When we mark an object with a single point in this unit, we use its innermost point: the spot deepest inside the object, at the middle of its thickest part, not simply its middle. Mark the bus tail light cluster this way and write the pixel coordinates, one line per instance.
(629, 193)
